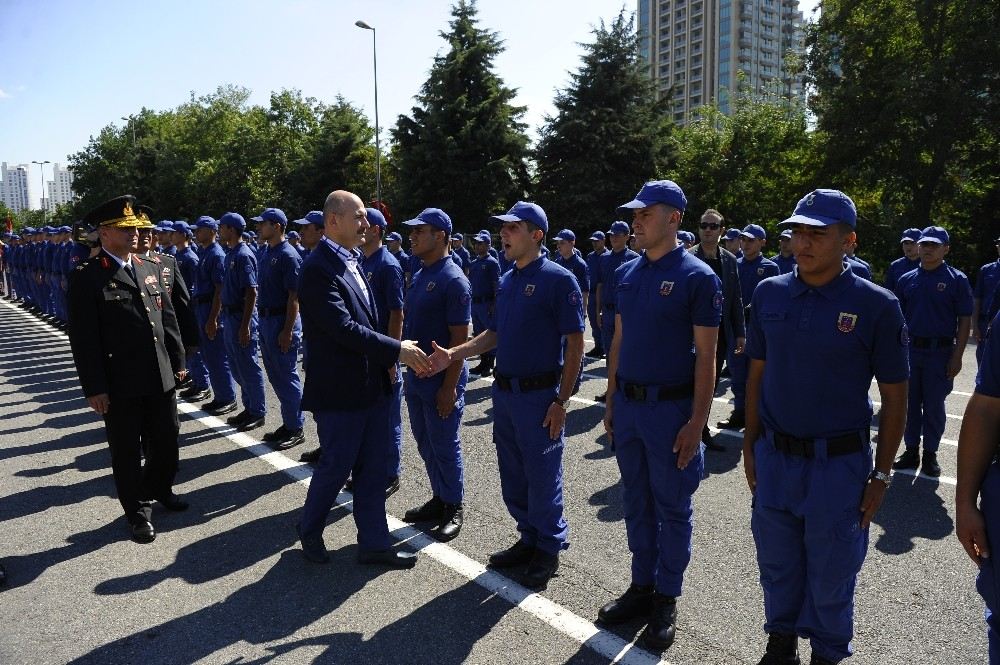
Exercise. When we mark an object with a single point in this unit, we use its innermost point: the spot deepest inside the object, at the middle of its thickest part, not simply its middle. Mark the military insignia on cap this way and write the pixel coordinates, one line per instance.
(941, 286)
(810, 198)
(430, 286)
(529, 289)
(666, 287)
(127, 210)
(846, 322)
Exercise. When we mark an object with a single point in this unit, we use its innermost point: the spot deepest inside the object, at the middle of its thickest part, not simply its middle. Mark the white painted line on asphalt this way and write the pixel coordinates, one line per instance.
(605, 643)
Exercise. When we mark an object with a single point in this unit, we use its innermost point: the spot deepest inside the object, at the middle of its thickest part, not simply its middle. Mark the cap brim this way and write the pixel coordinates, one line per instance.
(503, 219)
(415, 222)
(907, 240)
(936, 241)
(256, 219)
(817, 220)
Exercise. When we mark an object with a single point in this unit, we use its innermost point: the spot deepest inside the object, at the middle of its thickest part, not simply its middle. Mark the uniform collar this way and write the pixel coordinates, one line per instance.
(531, 268)
(440, 263)
(668, 260)
(830, 290)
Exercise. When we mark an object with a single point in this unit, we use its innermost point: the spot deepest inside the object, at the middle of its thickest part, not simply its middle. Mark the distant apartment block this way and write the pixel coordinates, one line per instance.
(14, 187)
(60, 188)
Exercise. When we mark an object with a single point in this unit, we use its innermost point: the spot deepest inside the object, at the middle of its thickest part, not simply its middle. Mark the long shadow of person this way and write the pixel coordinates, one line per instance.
(912, 509)
(610, 501)
(24, 569)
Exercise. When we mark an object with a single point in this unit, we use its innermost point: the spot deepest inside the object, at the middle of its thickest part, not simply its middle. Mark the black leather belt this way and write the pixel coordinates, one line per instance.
(639, 392)
(203, 298)
(526, 383)
(479, 300)
(932, 342)
(838, 445)
(272, 311)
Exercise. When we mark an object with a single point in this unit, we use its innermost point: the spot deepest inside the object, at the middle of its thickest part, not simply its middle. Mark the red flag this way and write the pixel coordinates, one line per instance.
(10, 223)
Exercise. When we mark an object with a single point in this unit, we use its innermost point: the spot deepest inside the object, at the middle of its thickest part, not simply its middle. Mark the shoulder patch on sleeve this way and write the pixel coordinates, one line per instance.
(717, 300)
(904, 335)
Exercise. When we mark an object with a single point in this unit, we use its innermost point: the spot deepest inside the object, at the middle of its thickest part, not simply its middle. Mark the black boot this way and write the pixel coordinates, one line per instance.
(451, 523)
(820, 660)
(910, 459)
(487, 366)
(929, 465)
(636, 602)
(782, 649)
(517, 554)
(431, 511)
(540, 570)
(709, 440)
(660, 632)
(736, 420)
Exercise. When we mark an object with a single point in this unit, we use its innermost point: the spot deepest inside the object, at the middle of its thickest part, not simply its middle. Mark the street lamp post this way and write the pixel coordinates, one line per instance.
(378, 149)
(41, 173)
(130, 124)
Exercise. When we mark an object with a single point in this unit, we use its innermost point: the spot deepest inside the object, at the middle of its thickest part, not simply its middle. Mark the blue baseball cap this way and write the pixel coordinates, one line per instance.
(657, 191)
(65, 229)
(234, 220)
(786, 234)
(935, 234)
(619, 228)
(47, 229)
(597, 235)
(435, 217)
(273, 215)
(732, 234)
(522, 211)
(164, 225)
(910, 235)
(823, 207)
(314, 217)
(394, 237)
(206, 222)
(375, 217)
(181, 226)
(28, 230)
(566, 234)
(754, 231)
(457, 236)
(293, 235)
(483, 236)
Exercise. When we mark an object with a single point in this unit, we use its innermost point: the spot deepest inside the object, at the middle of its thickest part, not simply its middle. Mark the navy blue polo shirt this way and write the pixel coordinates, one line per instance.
(438, 298)
(859, 268)
(785, 263)
(187, 263)
(753, 273)
(594, 267)
(536, 306)
(822, 346)
(606, 275)
(576, 265)
(211, 269)
(988, 378)
(385, 278)
(987, 287)
(241, 274)
(897, 269)
(484, 274)
(933, 300)
(279, 273)
(660, 302)
(464, 258)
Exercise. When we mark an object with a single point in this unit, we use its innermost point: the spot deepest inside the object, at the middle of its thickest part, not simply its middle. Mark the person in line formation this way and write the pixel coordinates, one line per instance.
(753, 268)
(539, 301)
(294, 239)
(459, 253)
(620, 253)
(731, 242)
(910, 260)
(241, 323)
(784, 258)
(598, 249)
(437, 311)
(732, 330)
(937, 301)
(807, 449)
(658, 404)
(127, 348)
(339, 320)
(484, 279)
(986, 301)
(977, 491)
(280, 328)
(187, 263)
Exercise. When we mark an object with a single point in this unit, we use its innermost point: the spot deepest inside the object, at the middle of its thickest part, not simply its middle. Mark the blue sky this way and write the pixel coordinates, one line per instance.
(74, 66)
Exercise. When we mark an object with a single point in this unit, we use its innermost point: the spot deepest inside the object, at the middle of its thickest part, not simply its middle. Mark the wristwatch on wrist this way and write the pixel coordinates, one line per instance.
(878, 475)
(560, 402)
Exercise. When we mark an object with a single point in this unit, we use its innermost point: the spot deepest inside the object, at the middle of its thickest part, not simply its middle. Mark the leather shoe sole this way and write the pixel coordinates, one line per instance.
(248, 425)
(143, 532)
(389, 558)
(392, 487)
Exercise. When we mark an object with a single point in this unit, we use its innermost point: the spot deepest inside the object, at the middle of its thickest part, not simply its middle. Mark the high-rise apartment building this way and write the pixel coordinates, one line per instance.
(60, 188)
(14, 187)
(700, 51)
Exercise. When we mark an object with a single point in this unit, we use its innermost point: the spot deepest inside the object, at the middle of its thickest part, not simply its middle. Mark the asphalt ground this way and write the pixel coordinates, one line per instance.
(225, 582)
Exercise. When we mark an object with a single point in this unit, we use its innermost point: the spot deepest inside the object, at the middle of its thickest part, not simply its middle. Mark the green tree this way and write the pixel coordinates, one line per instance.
(609, 134)
(464, 147)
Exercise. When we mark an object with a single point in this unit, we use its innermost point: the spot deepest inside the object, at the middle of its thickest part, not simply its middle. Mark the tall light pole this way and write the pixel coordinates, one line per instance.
(378, 149)
(41, 172)
(130, 124)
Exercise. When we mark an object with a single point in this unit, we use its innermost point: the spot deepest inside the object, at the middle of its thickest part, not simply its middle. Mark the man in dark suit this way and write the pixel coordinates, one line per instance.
(732, 332)
(128, 352)
(349, 370)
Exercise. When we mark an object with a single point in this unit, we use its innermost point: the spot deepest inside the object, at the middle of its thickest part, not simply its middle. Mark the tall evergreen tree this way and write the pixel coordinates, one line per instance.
(608, 135)
(464, 147)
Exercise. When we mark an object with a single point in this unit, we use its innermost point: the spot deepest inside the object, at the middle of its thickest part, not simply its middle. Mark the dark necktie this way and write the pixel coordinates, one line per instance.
(131, 273)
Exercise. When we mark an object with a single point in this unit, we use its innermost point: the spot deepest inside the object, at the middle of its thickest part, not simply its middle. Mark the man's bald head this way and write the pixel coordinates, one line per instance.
(344, 218)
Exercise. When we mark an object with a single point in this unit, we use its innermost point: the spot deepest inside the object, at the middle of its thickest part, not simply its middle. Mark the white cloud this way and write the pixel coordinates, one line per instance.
(4, 94)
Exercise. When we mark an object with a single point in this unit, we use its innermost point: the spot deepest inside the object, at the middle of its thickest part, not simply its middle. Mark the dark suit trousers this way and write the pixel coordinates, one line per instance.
(142, 424)
(355, 443)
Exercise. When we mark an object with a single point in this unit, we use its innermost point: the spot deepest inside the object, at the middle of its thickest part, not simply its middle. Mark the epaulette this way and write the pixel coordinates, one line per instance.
(137, 259)
(155, 258)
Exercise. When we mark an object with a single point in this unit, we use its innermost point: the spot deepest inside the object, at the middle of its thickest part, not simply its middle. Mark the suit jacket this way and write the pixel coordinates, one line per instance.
(124, 337)
(180, 297)
(732, 302)
(348, 361)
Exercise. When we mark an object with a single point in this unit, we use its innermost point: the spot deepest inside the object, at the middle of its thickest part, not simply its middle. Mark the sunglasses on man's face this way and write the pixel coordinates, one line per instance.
(708, 225)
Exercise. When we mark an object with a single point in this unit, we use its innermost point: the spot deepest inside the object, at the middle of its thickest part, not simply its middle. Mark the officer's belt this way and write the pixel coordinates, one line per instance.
(203, 298)
(835, 446)
(272, 311)
(639, 392)
(526, 383)
(233, 309)
(479, 300)
(931, 342)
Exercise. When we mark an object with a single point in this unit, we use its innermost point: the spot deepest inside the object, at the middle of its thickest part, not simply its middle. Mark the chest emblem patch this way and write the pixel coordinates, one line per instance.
(666, 287)
(846, 322)
(529, 290)
(760, 270)
(941, 286)
(430, 286)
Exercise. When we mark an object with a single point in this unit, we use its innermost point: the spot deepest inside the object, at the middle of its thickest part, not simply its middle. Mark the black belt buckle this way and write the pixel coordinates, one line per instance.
(502, 382)
(634, 392)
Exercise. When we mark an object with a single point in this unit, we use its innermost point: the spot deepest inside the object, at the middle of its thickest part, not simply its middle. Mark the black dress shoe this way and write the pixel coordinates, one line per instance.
(929, 465)
(451, 523)
(174, 503)
(478, 369)
(291, 440)
(816, 659)
(736, 420)
(910, 459)
(313, 548)
(660, 631)
(636, 602)
(277, 435)
(253, 422)
(486, 371)
(219, 408)
(239, 418)
(595, 352)
(392, 487)
(390, 558)
(195, 394)
(429, 512)
(540, 570)
(311, 456)
(782, 649)
(603, 397)
(142, 531)
(517, 554)
(709, 440)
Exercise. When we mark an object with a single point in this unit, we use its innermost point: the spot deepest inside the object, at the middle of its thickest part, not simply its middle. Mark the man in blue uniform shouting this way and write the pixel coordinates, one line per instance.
(661, 376)
(806, 449)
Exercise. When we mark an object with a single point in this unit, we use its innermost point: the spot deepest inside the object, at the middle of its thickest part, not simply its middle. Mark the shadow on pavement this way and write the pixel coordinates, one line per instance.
(912, 509)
